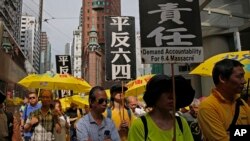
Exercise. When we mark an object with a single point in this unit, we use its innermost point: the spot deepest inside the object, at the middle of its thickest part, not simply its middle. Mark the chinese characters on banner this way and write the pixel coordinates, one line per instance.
(120, 48)
(170, 31)
(63, 65)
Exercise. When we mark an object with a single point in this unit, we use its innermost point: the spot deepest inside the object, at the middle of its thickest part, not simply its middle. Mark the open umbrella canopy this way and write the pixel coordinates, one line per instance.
(206, 68)
(108, 92)
(14, 102)
(55, 82)
(65, 102)
(137, 86)
(79, 100)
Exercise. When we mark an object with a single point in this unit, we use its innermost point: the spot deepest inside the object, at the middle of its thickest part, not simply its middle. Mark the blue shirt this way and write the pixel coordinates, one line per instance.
(87, 128)
(26, 114)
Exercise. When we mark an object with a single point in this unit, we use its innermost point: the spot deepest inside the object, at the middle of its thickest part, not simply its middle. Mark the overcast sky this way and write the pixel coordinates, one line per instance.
(66, 14)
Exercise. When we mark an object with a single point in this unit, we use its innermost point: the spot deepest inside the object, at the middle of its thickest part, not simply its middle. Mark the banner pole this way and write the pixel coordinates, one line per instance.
(174, 101)
(123, 93)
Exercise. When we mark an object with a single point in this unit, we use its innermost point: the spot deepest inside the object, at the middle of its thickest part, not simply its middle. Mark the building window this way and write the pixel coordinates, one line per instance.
(107, 10)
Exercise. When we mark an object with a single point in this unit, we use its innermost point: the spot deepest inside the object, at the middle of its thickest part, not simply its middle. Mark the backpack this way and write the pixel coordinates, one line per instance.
(144, 121)
(109, 113)
(236, 114)
(10, 123)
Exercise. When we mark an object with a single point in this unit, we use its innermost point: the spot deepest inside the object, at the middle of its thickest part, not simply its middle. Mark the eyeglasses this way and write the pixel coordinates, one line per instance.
(101, 100)
(32, 97)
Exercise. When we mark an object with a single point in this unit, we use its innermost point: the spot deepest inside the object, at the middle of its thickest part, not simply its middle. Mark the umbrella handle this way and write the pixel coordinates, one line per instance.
(39, 90)
(123, 101)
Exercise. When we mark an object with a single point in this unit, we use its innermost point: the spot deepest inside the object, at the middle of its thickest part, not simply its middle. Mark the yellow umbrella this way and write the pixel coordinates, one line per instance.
(65, 102)
(80, 101)
(206, 68)
(17, 101)
(9, 102)
(55, 82)
(108, 92)
(137, 86)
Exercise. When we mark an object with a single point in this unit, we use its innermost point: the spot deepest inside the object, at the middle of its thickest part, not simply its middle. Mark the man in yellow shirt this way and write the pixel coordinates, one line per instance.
(216, 112)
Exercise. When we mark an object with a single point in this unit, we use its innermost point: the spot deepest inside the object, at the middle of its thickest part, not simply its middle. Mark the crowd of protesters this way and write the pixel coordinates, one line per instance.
(122, 118)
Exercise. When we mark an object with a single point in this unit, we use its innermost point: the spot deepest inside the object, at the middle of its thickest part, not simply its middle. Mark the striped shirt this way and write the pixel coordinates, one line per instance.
(87, 128)
(43, 131)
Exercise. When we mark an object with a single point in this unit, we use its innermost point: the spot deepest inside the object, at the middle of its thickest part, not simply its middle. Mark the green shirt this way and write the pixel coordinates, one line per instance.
(136, 131)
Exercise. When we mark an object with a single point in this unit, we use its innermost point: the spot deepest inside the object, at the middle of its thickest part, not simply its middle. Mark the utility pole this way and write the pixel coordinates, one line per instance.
(40, 15)
(40, 20)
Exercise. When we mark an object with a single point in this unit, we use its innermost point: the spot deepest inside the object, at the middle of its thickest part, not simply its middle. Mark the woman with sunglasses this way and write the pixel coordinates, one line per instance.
(94, 126)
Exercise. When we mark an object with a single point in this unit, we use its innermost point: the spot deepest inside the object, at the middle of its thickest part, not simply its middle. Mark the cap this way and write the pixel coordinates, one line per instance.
(2, 97)
(117, 88)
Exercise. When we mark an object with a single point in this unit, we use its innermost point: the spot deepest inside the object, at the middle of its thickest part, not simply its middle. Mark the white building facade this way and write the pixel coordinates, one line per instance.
(142, 69)
(77, 53)
(30, 40)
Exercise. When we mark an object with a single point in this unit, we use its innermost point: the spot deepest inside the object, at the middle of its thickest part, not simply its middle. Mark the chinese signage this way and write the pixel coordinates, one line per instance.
(120, 48)
(170, 31)
(63, 65)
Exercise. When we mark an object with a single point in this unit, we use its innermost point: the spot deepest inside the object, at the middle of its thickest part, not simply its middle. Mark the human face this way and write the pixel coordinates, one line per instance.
(119, 96)
(132, 103)
(58, 107)
(236, 81)
(100, 104)
(165, 101)
(46, 96)
(33, 99)
(194, 111)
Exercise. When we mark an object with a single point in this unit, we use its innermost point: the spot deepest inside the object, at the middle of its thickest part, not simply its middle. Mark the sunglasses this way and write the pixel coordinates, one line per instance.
(32, 97)
(101, 100)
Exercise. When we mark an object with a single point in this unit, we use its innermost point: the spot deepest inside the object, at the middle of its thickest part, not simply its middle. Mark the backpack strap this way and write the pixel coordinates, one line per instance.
(236, 114)
(179, 123)
(144, 121)
(109, 113)
(129, 113)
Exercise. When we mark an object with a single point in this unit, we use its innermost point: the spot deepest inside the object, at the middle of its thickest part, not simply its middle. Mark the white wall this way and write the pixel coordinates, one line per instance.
(212, 45)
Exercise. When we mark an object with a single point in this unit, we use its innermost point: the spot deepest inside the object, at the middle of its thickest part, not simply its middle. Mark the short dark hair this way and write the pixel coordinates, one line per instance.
(32, 92)
(92, 96)
(44, 90)
(160, 84)
(224, 68)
